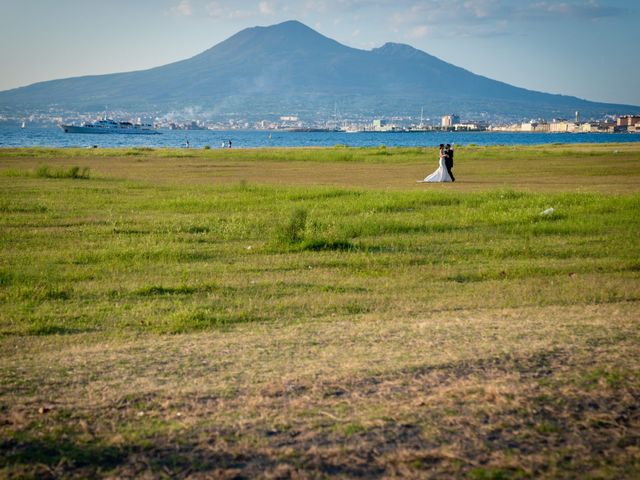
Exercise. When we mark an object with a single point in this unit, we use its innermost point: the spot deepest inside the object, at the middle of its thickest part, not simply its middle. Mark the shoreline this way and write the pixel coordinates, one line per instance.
(162, 148)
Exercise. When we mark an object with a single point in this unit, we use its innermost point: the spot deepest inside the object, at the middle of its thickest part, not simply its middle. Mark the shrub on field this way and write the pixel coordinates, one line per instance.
(294, 233)
(44, 171)
(293, 230)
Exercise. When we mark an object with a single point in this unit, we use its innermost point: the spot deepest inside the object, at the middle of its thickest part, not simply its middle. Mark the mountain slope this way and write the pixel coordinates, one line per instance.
(290, 68)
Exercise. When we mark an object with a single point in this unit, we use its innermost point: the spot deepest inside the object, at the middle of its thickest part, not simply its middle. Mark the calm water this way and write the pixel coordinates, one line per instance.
(13, 136)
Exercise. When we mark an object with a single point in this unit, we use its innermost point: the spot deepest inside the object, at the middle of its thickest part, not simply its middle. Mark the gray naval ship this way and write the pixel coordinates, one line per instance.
(111, 126)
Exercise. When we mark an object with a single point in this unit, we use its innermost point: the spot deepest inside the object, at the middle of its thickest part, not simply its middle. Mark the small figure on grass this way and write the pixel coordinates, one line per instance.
(443, 172)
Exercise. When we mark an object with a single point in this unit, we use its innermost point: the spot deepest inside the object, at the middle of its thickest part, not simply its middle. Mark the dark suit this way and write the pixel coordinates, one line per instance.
(448, 161)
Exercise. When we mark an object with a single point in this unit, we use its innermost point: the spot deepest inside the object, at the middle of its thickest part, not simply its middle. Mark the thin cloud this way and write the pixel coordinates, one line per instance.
(314, 6)
(215, 10)
(411, 19)
(266, 8)
(591, 11)
(418, 32)
(487, 18)
(183, 9)
(224, 10)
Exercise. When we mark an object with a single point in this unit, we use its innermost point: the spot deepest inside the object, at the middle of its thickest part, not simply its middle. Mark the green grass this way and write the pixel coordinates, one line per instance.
(249, 252)
(214, 314)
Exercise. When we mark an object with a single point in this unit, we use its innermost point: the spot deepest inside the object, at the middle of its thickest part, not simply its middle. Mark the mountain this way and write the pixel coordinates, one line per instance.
(291, 69)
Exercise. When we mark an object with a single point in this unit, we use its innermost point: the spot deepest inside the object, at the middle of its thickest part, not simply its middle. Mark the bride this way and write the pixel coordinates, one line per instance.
(441, 174)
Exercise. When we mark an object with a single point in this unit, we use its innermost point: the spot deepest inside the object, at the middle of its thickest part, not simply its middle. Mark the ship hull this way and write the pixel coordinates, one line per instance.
(102, 131)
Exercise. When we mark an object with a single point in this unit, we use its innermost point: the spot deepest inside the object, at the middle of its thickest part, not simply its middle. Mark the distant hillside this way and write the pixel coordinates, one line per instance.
(291, 69)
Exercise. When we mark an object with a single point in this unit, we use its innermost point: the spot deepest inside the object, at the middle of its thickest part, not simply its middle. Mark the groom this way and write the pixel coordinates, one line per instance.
(448, 160)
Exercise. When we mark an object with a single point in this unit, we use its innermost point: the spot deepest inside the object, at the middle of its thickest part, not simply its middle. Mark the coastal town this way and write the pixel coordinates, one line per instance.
(295, 123)
(625, 123)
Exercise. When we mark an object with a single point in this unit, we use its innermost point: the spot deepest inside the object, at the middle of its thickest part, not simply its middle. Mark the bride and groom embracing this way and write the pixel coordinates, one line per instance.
(443, 173)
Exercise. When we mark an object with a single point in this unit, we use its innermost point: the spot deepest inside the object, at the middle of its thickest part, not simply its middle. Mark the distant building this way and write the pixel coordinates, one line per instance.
(382, 126)
(289, 118)
(533, 126)
(597, 127)
(562, 126)
(628, 120)
(450, 120)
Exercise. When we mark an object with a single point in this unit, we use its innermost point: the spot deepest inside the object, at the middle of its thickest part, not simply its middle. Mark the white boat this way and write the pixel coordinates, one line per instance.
(111, 126)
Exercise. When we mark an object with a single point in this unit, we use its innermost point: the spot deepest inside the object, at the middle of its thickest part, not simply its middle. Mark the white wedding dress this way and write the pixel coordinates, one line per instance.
(440, 175)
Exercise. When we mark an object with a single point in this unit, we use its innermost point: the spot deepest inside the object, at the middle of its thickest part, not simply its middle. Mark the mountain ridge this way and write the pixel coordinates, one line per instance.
(291, 68)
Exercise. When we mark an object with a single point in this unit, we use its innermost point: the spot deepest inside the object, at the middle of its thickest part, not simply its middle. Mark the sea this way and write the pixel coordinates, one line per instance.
(12, 136)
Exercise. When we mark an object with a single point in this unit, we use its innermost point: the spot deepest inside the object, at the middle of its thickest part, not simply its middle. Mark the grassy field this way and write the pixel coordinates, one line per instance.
(301, 313)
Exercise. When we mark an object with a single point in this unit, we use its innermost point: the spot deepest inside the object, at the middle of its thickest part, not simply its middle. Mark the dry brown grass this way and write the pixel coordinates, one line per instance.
(532, 392)
(593, 168)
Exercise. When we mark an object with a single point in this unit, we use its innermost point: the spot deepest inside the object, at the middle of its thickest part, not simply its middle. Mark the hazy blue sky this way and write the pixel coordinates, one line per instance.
(586, 48)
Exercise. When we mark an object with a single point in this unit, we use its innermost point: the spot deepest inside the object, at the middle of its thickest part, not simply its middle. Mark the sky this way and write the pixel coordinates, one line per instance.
(583, 48)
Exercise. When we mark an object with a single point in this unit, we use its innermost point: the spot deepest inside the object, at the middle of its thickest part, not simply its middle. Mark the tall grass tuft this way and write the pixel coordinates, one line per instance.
(295, 235)
(292, 231)
(44, 171)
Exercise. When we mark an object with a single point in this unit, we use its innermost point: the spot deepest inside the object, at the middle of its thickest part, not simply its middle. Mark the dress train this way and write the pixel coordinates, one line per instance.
(440, 175)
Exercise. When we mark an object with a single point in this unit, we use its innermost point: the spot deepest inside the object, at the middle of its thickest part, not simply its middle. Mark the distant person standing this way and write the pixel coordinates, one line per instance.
(448, 157)
(229, 143)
